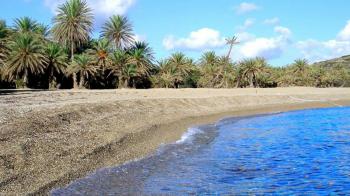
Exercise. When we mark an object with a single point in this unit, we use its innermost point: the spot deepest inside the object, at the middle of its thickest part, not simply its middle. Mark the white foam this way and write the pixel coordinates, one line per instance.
(188, 136)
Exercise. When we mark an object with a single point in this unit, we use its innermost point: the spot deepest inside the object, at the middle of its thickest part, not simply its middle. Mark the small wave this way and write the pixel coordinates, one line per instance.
(189, 135)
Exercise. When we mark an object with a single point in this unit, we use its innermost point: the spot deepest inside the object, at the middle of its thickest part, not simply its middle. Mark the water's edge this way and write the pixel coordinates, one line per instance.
(193, 140)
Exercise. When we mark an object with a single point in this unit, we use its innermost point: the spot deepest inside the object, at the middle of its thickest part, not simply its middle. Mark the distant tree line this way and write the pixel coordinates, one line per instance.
(32, 55)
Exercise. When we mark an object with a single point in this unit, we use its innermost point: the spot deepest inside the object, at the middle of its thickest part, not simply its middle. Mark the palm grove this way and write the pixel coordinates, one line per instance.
(65, 56)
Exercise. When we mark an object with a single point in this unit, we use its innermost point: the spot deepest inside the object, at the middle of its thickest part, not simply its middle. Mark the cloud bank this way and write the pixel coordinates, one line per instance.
(200, 39)
(316, 50)
(246, 7)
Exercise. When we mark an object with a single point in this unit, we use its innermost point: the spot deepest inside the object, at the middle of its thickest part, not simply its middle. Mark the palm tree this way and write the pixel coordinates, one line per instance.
(72, 26)
(56, 61)
(4, 33)
(141, 56)
(208, 59)
(216, 72)
(128, 72)
(25, 57)
(225, 75)
(119, 67)
(146, 49)
(26, 25)
(300, 66)
(118, 30)
(82, 65)
(167, 74)
(282, 77)
(101, 50)
(182, 66)
(300, 71)
(181, 62)
(209, 69)
(43, 30)
(251, 68)
(231, 42)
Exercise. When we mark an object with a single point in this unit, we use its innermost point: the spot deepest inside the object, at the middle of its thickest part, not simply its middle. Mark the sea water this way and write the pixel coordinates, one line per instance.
(302, 152)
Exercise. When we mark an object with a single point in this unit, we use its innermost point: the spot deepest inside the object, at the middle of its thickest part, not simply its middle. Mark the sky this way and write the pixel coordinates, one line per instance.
(279, 30)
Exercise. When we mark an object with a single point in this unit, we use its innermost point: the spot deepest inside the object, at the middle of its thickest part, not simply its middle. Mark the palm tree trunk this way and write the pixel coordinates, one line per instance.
(25, 78)
(256, 84)
(82, 81)
(343, 84)
(229, 51)
(251, 81)
(75, 83)
(133, 83)
(51, 79)
(120, 83)
(126, 83)
(238, 82)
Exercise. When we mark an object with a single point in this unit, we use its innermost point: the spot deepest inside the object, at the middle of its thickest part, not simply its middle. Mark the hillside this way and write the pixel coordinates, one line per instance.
(341, 61)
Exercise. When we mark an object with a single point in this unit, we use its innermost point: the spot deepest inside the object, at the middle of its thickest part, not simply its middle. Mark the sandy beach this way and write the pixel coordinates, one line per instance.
(49, 138)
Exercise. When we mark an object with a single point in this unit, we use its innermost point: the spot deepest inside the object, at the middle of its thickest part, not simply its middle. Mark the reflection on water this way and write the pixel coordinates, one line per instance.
(303, 152)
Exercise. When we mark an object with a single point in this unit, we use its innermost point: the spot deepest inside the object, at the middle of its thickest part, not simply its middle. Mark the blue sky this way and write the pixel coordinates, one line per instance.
(280, 31)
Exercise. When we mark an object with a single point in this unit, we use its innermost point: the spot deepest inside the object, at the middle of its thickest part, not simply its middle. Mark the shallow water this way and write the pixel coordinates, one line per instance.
(302, 152)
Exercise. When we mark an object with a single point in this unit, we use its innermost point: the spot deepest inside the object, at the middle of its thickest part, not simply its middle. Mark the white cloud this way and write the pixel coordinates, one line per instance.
(246, 7)
(268, 48)
(316, 50)
(139, 38)
(345, 33)
(244, 37)
(201, 39)
(262, 47)
(283, 31)
(101, 8)
(247, 23)
(272, 21)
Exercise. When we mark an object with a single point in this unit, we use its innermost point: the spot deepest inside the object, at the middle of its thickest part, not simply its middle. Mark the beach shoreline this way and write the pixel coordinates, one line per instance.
(51, 138)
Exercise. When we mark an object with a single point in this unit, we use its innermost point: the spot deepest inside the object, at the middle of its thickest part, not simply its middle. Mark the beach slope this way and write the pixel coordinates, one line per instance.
(49, 138)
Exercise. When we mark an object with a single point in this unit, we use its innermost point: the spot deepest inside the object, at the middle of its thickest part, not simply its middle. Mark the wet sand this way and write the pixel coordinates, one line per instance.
(49, 138)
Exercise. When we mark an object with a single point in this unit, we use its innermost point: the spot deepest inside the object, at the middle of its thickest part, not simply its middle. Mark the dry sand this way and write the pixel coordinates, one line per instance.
(48, 139)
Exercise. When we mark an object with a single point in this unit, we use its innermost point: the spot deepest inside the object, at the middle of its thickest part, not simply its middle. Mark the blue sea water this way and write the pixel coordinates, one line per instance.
(294, 153)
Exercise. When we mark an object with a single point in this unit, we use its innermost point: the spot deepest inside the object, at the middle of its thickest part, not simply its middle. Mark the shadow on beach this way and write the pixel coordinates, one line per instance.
(19, 91)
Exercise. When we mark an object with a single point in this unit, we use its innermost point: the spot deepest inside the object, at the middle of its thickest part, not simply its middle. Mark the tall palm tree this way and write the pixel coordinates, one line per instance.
(231, 42)
(56, 61)
(25, 57)
(118, 30)
(72, 26)
(82, 65)
(225, 75)
(216, 72)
